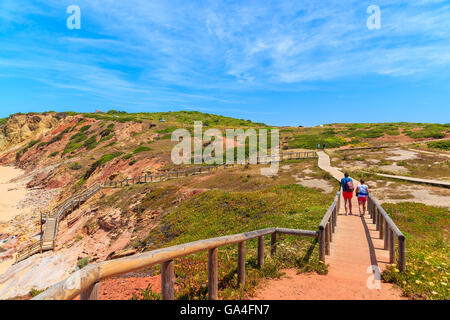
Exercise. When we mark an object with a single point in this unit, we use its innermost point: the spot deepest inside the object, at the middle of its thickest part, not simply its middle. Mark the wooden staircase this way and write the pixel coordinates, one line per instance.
(47, 241)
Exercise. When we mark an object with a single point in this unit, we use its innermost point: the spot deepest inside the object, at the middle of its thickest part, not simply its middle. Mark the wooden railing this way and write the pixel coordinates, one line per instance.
(389, 232)
(47, 241)
(204, 169)
(327, 227)
(86, 281)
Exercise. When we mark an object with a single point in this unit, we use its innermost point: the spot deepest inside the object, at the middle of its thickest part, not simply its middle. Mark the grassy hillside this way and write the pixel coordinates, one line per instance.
(181, 117)
(362, 134)
(215, 213)
(227, 202)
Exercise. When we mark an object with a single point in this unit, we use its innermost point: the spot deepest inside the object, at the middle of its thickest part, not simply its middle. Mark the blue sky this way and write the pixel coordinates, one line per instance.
(279, 62)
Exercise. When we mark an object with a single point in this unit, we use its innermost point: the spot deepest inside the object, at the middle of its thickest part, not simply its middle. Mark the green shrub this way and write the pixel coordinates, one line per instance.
(78, 137)
(29, 146)
(75, 166)
(85, 128)
(108, 157)
(104, 159)
(310, 141)
(367, 134)
(56, 138)
(53, 154)
(91, 143)
(83, 262)
(72, 146)
(443, 145)
(141, 149)
(148, 294)
(435, 131)
(34, 292)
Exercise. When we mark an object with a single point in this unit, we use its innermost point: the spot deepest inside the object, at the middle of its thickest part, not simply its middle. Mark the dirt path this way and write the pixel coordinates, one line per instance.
(356, 251)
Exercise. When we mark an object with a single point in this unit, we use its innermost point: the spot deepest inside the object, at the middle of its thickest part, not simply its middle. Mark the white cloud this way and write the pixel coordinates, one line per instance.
(138, 45)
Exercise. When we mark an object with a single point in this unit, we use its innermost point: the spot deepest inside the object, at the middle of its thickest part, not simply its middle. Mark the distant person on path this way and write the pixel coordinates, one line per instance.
(362, 192)
(318, 146)
(347, 192)
(323, 146)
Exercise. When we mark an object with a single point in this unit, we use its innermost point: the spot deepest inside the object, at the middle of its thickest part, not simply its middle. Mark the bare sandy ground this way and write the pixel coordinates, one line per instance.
(401, 154)
(11, 193)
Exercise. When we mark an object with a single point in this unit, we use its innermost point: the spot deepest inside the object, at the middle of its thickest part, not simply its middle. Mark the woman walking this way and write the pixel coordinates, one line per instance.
(362, 192)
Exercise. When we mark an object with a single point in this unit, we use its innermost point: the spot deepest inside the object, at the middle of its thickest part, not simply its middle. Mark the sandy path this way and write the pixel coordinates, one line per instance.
(11, 193)
(355, 251)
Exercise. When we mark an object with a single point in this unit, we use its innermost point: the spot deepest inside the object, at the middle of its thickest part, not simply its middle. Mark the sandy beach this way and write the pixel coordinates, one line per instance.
(11, 193)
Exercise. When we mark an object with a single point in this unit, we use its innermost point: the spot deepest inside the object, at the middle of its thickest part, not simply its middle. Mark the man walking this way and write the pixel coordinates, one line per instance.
(347, 192)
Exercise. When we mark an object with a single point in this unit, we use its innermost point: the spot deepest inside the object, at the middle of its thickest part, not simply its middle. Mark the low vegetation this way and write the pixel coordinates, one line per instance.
(311, 141)
(427, 249)
(214, 213)
(443, 145)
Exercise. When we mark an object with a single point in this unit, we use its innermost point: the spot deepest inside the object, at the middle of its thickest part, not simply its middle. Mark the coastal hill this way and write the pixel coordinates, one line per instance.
(62, 154)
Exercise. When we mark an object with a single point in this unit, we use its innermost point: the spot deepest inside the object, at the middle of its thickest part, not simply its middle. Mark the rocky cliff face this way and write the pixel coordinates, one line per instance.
(22, 127)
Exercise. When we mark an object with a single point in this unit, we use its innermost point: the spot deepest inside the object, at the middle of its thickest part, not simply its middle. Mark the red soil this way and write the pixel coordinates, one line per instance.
(123, 288)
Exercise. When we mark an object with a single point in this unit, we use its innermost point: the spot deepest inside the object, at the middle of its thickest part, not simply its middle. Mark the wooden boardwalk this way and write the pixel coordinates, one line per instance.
(357, 244)
(417, 180)
(357, 257)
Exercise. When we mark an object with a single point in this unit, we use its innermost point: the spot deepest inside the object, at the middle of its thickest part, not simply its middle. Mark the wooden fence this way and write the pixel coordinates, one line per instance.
(389, 232)
(204, 169)
(327, 227)
(85, 282)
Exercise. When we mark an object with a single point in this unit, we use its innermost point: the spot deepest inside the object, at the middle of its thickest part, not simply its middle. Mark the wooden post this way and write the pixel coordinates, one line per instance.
(327, 239)
(333, 218)
(330, 229)
(375, 217)
(335, 215)
(91, 293)
(213, 283)
(261, 252)
(401, 254)
(381, 226)
(322, 245)
(273, 243)
(241, 264)
(167, 280)
(386, 235)
(391, 247)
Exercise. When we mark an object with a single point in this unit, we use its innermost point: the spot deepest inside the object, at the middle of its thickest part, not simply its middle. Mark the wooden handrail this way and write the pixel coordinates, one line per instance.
(388, 219)
(87, 278)
(327, 227)
(388, 231)
(327, 215)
